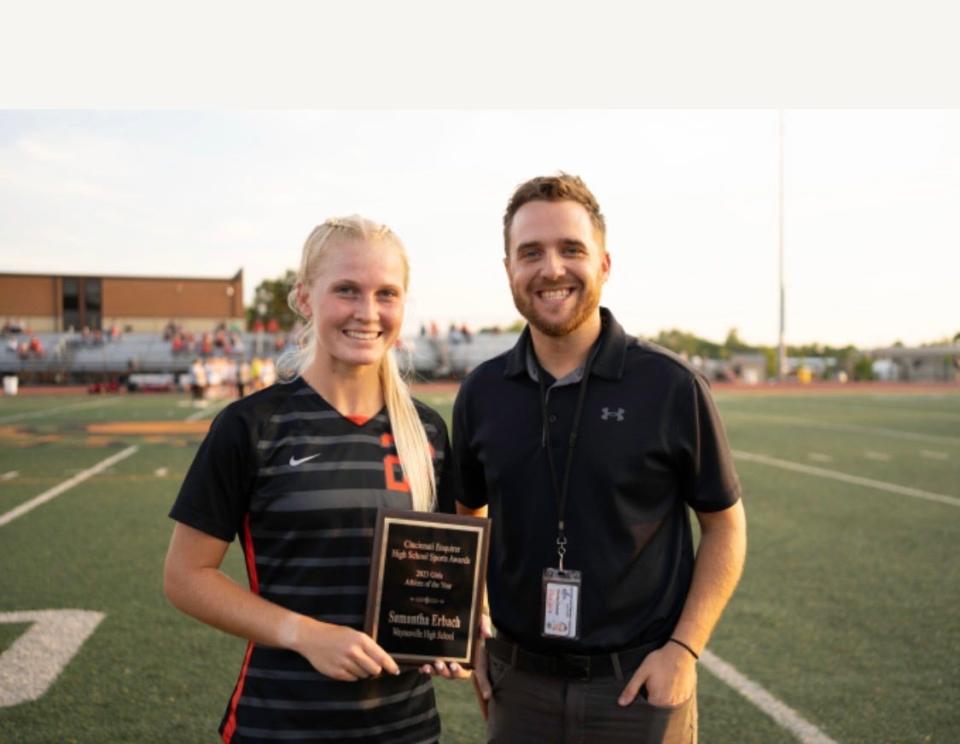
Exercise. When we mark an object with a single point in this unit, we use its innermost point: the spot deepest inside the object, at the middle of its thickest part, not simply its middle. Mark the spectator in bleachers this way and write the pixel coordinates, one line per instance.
(268, 373)
(244, 378)
(11, 327)
(198, 380)
(256, 366)
(213, 372)
(27, 349)
(36, 347)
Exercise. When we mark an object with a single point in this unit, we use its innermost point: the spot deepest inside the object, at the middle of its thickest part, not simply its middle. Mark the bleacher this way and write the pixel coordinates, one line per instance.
(442, 357)
(68, 357)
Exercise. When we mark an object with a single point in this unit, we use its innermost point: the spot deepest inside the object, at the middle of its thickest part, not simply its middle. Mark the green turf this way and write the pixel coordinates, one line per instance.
(459, 714)
(847, 611)
(9, 632)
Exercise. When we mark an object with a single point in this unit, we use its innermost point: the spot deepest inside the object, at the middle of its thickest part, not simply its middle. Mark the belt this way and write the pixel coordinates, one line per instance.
(570, 666)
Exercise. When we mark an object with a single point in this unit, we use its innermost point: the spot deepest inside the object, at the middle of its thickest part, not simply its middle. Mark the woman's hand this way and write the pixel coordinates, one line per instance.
(340, 652)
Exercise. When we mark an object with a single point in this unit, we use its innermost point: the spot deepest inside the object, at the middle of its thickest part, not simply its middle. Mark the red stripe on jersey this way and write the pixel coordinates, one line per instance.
(248, 554)
(358, 420)
(230, 726)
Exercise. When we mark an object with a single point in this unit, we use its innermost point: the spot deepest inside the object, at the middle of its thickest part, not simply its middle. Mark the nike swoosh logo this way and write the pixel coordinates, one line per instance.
(294, 461)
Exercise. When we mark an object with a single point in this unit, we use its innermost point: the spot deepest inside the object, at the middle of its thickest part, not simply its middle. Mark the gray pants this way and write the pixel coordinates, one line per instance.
(528, 707)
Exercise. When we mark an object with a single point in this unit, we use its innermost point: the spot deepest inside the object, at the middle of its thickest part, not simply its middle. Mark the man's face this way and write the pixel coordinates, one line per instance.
(556, 265)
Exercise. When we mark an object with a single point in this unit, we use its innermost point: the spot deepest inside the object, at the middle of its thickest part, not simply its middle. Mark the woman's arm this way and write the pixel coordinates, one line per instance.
(194, 583)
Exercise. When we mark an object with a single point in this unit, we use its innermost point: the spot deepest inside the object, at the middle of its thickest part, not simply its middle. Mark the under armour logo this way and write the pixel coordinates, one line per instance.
(608, 414)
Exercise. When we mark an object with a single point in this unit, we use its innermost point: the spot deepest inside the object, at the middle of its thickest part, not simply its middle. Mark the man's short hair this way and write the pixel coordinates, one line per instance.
(561, 187)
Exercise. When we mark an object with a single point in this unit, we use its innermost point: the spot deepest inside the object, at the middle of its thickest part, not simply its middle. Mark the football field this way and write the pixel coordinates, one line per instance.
(845, 627)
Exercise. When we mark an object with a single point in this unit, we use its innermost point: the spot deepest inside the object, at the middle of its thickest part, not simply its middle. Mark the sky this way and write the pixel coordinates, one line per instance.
(871, 218)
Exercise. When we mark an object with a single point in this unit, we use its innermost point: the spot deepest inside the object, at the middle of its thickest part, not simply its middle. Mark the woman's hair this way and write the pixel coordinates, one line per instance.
(413, 447)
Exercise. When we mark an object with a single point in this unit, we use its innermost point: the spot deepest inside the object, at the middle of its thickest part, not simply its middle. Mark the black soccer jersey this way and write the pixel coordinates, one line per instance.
(301, 484)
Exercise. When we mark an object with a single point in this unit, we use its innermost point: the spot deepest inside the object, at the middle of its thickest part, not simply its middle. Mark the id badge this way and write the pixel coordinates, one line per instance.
(561, 604)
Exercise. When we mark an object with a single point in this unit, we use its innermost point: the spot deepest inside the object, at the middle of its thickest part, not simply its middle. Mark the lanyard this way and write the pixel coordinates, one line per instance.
(560, 489)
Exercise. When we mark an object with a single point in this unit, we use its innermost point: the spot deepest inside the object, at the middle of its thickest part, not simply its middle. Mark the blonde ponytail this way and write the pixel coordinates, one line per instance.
(413, 447)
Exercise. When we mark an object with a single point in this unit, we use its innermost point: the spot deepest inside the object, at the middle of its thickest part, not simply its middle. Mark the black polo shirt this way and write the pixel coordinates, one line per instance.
(650, 444)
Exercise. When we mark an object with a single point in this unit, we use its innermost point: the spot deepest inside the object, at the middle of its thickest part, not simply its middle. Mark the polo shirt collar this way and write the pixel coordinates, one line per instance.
(610, 357)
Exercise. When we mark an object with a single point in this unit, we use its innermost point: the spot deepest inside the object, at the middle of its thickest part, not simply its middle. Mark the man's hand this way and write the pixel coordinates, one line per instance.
(441, 668)
(669, 674)
(481, 681)
(453, 670)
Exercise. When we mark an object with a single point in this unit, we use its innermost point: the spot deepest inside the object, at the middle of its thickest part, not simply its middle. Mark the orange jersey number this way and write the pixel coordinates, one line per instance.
(392, 466)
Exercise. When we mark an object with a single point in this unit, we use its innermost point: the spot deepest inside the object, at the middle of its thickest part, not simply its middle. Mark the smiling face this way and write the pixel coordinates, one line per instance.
(556, 265)
(355, 300)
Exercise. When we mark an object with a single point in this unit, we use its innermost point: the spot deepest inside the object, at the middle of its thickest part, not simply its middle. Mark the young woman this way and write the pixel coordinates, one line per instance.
(297, 471)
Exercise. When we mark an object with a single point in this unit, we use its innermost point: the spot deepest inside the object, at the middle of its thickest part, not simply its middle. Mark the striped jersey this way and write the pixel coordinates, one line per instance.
(300, 484)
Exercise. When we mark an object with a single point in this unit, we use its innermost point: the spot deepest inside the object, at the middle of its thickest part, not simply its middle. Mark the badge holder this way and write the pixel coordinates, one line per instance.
(561, 604)
(561, 600)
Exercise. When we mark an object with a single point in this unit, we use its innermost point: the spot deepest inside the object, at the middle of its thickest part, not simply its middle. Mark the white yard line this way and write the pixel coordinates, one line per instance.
(847, 478)
(819, 457)
(10, 475)
(933, 455)
(197, 415)
(877, 456)
(780, 712)
(34, 661)
(58, 409)
(912, 412)
(65, 486)
(833, 426)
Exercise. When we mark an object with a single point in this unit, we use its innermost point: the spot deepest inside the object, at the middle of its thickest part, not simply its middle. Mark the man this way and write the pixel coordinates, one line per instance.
(587, 446)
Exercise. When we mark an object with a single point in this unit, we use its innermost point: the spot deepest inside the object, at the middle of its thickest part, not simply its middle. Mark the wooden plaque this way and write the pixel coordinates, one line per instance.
(426, 585)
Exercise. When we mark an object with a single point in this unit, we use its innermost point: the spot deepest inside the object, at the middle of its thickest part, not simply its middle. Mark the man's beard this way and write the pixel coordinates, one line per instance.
(586, 305)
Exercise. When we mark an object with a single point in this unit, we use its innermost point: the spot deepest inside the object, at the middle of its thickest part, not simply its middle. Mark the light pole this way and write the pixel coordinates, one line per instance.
(781, 349)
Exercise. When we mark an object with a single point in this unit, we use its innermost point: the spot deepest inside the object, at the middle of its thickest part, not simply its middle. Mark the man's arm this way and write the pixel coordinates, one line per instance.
(669, 673)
